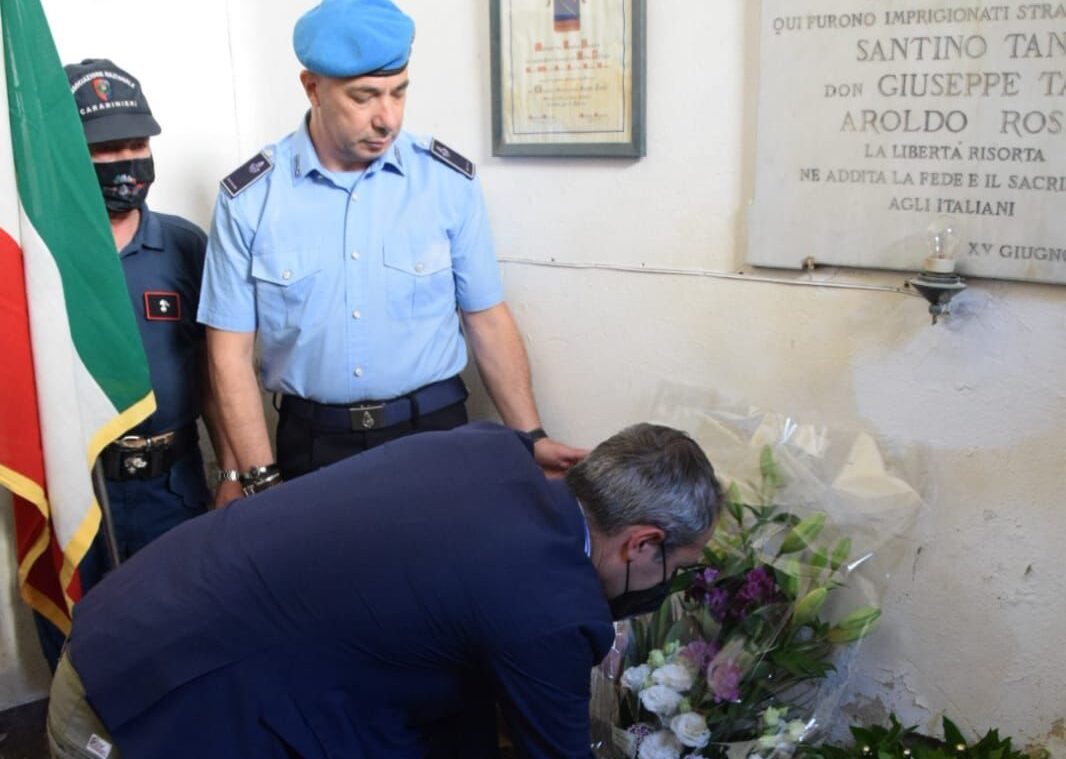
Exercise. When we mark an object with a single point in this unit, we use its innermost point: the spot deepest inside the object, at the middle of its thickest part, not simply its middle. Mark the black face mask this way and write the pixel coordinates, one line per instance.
(633, 603)
(125, 183)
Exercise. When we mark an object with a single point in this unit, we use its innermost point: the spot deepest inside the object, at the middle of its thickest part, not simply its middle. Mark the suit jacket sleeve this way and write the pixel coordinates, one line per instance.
(542, 687)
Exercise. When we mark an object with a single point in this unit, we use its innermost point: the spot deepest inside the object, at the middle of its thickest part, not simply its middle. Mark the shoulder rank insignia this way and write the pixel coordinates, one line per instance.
(446, 155)
(248, 173)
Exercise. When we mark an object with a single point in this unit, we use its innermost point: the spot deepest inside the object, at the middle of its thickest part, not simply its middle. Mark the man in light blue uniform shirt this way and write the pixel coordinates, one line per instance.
(360, 255)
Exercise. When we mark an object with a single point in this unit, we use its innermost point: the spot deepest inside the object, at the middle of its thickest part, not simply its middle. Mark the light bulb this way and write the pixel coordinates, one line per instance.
(943, 240)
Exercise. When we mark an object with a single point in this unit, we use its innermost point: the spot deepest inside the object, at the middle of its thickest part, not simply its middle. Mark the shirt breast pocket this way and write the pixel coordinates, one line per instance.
(418, 278)
(285, 283)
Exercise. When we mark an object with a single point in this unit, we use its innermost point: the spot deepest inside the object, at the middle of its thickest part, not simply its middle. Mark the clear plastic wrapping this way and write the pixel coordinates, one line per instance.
(752, 656)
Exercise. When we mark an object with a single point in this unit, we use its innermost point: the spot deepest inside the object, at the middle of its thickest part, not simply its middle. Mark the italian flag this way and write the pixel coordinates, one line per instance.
(73, 376)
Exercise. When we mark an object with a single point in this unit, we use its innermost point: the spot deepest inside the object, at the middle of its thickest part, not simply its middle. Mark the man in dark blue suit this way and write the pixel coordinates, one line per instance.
(417, 585)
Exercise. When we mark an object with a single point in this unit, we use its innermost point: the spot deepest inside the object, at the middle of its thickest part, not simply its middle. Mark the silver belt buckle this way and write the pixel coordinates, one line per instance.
(132, 443)
(367, 416)
(134, 463)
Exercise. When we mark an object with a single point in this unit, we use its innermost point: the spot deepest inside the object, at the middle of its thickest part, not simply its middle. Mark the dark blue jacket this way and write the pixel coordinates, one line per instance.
(376, 608)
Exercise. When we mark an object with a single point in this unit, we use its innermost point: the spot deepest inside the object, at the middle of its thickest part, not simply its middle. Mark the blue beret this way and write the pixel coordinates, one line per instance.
(345, 38)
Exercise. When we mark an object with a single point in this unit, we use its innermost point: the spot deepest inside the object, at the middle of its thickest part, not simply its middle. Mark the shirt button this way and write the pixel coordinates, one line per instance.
(355, 198)
(419, 267)
(358, 371)
(356, 315)
(286, 274)
(355, 255)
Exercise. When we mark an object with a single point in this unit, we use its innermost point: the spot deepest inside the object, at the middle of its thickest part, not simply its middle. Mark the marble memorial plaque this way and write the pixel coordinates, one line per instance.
(876, 118)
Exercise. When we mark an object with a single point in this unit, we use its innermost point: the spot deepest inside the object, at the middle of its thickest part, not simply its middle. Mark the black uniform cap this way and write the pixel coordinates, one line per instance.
(110, 102)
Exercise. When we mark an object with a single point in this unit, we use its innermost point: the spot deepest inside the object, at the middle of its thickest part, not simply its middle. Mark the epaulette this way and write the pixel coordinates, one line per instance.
(247, 173)
(446, 155)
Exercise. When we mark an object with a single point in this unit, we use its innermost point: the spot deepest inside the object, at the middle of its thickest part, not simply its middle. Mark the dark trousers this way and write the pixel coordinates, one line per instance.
(303, 447)
(141, 510)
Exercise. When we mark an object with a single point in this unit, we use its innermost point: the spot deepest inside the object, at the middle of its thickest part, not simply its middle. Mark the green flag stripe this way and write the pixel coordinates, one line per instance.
(61, 196)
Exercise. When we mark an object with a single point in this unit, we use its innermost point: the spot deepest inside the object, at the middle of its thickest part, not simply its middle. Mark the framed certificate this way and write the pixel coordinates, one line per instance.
(568, 77)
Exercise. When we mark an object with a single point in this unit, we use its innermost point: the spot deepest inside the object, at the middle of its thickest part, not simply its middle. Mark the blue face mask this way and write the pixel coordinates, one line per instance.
(633, 603)
(125, 183)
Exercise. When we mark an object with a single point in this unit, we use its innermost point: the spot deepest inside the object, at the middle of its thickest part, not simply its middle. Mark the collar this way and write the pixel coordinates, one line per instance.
(305, 160)
(569, 504)
(585, 524)
(149, 233)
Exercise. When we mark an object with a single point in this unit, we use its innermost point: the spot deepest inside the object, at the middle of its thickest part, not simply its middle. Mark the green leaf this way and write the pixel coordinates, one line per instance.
(768, 468)
(661, 621)
(802, 534)
(840, 553)
(807, 608)
(734, 504)
(855, 626)
(819, 560)
(682, 581)
(864, 737)
(789, 577)
(800, 665)
(707, 624)
(952, 734)
(675, 633)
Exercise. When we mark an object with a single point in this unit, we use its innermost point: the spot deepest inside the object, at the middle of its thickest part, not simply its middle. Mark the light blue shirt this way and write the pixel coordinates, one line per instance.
(351, 281)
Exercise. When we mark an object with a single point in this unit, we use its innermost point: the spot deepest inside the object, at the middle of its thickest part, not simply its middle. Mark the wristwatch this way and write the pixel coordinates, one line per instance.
(260, 478)
(227, 475)
(537, 433)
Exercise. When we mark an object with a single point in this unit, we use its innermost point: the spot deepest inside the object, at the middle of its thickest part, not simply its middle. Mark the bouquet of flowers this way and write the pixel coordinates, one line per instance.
(744, 658)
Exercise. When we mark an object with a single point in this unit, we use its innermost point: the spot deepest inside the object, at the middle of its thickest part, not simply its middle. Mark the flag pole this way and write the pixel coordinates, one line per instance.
(107, 523)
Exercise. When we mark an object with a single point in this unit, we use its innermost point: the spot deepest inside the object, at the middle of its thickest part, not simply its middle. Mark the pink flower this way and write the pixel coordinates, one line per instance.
(700, 653)
(723, 679)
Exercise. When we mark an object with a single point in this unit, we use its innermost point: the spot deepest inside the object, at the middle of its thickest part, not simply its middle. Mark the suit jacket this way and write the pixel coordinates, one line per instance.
(379, 607)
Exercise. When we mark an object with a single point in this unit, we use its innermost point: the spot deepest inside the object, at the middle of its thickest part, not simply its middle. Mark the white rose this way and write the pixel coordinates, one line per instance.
(674, 676)
(691, 729)
(660, 745)
(658, 699)
(634, 677)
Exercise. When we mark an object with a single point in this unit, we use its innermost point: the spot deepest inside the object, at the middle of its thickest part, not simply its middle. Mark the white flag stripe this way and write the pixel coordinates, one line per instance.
(72, 407)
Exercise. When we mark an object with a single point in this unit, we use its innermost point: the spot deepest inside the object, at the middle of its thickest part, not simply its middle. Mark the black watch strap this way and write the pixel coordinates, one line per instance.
(537, 433)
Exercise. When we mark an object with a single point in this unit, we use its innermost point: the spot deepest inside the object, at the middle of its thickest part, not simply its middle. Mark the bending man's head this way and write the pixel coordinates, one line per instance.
(648, 474)
(651, 499)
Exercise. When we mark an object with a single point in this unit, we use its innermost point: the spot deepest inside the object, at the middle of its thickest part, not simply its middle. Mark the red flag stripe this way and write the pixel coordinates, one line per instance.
(20, 431)
(21, 453)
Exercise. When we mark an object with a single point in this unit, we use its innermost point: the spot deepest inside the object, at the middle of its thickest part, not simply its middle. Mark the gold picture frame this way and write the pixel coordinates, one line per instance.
(568, 77)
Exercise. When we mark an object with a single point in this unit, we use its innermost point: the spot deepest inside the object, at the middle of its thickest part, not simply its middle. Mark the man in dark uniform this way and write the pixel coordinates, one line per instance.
(360, 256)
(424, 581)
(155, 473)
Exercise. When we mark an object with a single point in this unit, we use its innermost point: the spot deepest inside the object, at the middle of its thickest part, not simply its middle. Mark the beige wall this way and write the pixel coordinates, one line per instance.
(975, 613)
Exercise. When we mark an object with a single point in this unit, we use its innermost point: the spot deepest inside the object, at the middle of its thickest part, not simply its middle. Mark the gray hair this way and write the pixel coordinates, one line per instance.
(648, 474)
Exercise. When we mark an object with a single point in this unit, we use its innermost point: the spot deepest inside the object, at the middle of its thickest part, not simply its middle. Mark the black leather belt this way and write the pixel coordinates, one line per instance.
(377, 415)
(137, 457)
